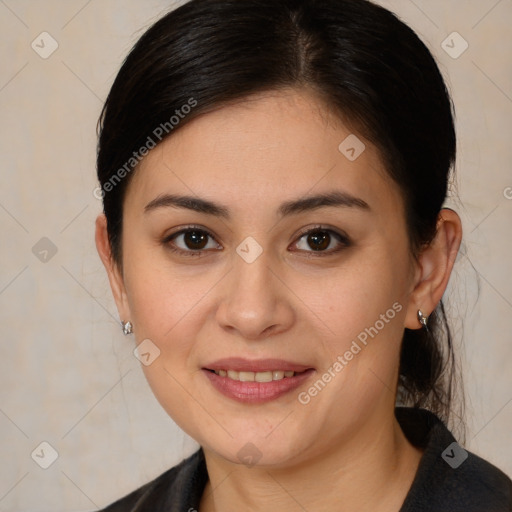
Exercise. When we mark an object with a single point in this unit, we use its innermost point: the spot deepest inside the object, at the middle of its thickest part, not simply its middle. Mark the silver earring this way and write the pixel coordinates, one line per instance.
(423, 319)
(127, 328)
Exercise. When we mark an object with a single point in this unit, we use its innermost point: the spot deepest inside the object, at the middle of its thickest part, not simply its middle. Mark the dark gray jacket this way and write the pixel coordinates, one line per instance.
(449, 479)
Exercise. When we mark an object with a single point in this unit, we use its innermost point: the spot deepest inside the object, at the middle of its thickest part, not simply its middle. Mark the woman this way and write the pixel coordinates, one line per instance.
(273, 175)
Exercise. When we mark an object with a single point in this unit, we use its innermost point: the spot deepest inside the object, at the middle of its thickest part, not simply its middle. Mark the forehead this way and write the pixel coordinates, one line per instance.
(262, 150)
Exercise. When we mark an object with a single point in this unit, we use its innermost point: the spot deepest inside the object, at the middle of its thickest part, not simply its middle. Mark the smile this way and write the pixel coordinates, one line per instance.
(256, 381)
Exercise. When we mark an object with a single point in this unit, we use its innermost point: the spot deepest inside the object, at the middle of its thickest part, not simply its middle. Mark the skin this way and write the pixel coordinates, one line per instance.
(344, 449)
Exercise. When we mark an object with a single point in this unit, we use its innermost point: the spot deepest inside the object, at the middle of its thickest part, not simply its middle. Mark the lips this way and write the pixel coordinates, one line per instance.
(257, 381)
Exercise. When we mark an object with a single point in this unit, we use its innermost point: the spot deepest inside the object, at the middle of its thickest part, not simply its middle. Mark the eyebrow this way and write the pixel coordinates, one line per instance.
(335, 198)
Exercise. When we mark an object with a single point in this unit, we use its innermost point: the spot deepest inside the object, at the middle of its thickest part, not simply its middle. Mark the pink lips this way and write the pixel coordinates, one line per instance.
(255, 392)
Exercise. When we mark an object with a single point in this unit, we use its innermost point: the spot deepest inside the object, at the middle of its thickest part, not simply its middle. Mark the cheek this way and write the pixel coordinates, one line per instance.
(169, 310)
(162, 297)
(364, 306)
(364, 293)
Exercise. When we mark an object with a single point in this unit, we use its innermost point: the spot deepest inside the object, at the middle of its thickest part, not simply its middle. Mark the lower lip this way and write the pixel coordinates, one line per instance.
(256, 392)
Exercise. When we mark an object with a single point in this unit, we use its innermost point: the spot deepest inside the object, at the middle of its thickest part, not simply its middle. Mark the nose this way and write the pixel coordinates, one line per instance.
(255, 302)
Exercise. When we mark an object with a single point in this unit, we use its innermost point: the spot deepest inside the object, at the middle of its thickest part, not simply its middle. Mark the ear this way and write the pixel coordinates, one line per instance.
(114, 273)
(435, 266)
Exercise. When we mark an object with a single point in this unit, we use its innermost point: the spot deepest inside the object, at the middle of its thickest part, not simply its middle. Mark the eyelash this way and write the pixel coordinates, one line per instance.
(342, 239)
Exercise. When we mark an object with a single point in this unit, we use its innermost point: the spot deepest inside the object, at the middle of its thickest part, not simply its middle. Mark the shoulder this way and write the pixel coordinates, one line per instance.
(179, 488)
(449, 478)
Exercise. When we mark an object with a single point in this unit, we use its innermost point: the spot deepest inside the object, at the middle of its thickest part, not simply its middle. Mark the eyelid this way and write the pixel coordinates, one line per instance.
(322, 227)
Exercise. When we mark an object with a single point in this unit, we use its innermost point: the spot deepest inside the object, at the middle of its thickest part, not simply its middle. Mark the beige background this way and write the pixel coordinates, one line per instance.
(67, 374)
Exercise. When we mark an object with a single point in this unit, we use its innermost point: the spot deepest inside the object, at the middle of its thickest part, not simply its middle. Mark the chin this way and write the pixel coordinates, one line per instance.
(257, 451)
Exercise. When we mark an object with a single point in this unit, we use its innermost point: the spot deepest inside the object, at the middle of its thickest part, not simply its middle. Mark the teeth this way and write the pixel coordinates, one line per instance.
(267, 376)
(263, 377)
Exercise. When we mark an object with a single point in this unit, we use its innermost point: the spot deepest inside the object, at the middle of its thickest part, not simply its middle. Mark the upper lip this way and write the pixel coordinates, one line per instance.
(241, 364)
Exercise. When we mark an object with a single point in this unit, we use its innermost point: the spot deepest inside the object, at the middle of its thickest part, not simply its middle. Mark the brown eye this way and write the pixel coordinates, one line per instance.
(322, 241)
(191, 242)
(195, 240)
(319, 240)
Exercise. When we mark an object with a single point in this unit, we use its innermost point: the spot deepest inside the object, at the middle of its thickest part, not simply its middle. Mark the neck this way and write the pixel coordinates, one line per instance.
(372, 471)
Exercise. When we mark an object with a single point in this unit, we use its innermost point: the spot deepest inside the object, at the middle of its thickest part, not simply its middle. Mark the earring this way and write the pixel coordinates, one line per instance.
(127, 328)
(423, 319)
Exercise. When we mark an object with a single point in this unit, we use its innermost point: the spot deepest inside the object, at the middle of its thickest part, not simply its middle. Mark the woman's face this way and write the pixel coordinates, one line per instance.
(296, 257)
